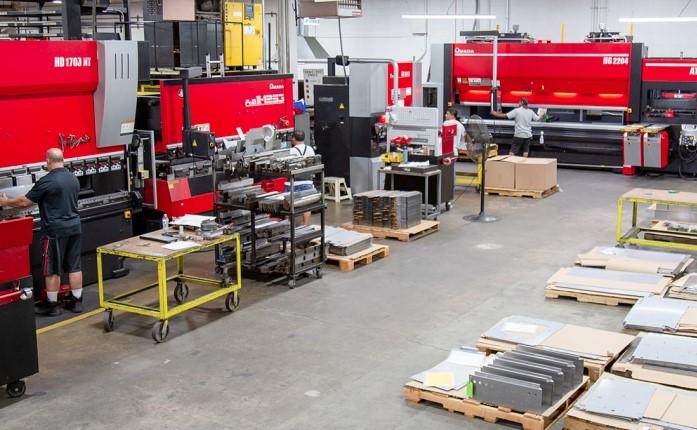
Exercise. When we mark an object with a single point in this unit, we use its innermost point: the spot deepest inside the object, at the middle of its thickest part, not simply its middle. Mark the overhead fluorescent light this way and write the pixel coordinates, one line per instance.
(483, 17)
(659, 19)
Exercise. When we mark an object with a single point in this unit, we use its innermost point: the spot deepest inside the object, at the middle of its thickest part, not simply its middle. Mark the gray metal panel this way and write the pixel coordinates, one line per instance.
(652, 150)
(663, 257)
(545, 382)
(632, 150)
(436, 74)
(553, 372)
(565, 366)
(656, 313)
(615, 275)
(575, 359)
(417, 86)
(507, 392)
(367, 89)
(519, 330)
(115, 97)
(618, 397)
(364, 174)
(666, 350)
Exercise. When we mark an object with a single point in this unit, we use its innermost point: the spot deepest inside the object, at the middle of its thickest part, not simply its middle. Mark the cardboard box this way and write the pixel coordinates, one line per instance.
(535, 174)
(500, 172)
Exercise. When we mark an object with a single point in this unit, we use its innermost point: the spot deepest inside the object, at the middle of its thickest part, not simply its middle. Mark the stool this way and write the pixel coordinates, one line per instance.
(336, 189)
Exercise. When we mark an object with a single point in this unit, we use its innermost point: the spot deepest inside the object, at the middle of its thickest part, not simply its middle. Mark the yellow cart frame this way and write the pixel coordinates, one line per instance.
(163, 312)
(472, 179)
(644, 196)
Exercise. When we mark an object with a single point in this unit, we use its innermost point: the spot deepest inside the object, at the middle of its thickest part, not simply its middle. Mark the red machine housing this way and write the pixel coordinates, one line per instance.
(669, 90)
(406, 82)
(221, 106)
(224, 104)
(47, 93)
(549, 74)
(14, 249)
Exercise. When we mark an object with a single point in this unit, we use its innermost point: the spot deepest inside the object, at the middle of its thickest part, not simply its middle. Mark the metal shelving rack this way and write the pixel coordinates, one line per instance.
(290, 244)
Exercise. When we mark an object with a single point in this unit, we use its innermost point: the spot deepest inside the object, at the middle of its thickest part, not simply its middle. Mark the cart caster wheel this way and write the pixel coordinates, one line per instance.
(318, 273)
(291, 283)
(448, 206)
(108, 321)
(232, 301)
(218, 270)
(16, 389)
(160, 331)
(181, 292)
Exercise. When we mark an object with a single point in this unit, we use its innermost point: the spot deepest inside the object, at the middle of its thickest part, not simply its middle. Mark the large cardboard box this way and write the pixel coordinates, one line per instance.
(500, 172)
(535, 174)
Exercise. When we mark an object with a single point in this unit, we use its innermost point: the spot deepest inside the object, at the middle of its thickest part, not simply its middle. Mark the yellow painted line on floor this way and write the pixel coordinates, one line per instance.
(69, 321)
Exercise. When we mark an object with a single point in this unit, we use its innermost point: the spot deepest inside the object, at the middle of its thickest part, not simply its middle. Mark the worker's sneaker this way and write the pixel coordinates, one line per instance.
(73, 304)
(48, 309)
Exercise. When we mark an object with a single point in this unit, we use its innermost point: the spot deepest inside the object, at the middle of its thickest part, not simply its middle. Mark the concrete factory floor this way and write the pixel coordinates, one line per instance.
(334, 353)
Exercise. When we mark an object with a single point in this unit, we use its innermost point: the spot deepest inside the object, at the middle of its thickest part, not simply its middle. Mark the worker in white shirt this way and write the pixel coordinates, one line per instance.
(300, 149)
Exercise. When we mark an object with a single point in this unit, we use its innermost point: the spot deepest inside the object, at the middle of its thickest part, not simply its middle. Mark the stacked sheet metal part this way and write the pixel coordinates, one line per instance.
(613, 399)
(389, 209)
(527, 379)
(346, 242)
(454, 372)
(609, 282)
(659, 314)
(303, 234)
(685, 287)
(635, 260)
(274, 202)
(666, 351)
(234, 217)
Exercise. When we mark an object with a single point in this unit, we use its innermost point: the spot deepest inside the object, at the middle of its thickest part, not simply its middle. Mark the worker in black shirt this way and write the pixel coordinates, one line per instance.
(56, 194)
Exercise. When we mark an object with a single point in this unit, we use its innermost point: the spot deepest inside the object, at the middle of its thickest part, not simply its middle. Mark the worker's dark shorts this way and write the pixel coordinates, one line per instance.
(520, 146)
(61, 255)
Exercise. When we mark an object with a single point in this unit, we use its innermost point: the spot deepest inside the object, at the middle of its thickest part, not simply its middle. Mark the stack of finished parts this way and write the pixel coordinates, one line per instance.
(635, 260)
(661, 358)
(684, 288)
(610, 283)
(346, 242)
(660, 314)
(389, 209)
(619, 403)
(527, 379)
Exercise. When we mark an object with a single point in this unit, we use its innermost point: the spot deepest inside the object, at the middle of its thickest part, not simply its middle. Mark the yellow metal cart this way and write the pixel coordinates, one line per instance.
(473, 179)
(148, 250)
(639, 196)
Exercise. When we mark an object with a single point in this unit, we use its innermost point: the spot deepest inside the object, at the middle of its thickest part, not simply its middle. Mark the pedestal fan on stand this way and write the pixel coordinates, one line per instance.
(479, 140)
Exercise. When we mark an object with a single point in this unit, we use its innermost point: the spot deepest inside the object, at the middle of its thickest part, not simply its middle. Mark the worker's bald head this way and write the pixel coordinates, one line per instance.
(54, 158)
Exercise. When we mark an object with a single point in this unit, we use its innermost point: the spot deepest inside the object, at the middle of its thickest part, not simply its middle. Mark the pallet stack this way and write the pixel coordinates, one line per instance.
(389, 209)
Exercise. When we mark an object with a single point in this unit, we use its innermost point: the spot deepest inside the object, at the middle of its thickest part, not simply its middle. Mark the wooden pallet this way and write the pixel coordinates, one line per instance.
(590, 297)
(592, 368)
(347, 263)
(506, 192)
(416, 392)
(405, 235)
(573, 422)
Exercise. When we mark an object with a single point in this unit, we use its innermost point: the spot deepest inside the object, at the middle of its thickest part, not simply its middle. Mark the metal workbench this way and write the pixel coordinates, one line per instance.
(647, 196)
(152, 251)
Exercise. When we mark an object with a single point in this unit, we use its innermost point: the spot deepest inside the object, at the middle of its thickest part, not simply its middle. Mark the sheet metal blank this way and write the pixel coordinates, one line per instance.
(507, 392)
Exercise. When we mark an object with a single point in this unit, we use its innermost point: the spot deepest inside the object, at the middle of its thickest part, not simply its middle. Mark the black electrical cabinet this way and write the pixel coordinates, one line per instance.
(18, 351)
(333, 128)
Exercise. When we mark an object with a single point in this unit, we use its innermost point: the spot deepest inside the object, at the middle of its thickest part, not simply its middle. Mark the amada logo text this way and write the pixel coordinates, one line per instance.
(265, 100)
(693, 71)
(460, 51)
(273, 86)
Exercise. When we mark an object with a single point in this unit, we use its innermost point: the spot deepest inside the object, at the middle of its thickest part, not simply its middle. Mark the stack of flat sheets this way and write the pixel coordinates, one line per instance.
(609, 283)
(663, 315)
(684, 288)
(635, 260)
(621, 403)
